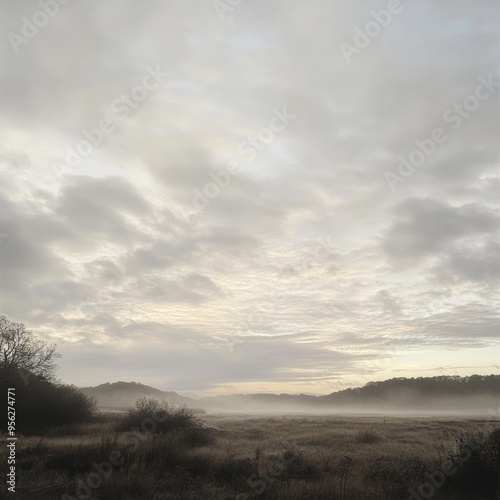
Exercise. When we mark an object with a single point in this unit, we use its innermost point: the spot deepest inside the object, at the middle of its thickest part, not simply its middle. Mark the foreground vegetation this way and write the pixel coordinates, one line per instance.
(170, 453)
(27, 364)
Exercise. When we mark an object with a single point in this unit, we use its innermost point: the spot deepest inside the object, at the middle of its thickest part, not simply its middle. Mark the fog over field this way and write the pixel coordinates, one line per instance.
(475, 395)
(451, 407)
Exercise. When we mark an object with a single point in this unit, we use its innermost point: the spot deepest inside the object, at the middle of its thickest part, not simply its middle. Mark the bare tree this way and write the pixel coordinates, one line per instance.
(21, 352)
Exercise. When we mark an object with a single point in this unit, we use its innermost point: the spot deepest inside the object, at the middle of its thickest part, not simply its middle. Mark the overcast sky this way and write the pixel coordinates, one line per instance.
(322, 259)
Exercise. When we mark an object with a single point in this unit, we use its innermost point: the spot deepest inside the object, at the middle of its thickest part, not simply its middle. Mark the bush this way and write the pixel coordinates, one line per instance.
(194, 437)
(150, 415)
(41, 403)
(397, 471)
(367, 437)
(295, 466)
(477, 460)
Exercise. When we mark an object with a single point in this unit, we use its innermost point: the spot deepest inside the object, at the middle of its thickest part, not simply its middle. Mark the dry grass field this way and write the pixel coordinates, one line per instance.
(243, 457)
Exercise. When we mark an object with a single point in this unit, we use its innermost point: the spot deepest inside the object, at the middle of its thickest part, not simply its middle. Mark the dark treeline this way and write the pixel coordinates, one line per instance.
(40, 402)
(27, 375)
(449, 386)
(475, 393)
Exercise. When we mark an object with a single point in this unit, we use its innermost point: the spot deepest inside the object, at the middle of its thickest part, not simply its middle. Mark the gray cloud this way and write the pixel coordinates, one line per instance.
(305, 260)
(426, 226)
(474, 263)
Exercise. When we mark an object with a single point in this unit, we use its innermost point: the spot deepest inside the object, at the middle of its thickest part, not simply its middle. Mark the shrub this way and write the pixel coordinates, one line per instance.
(476, 458)
(194, 437)
(295, 466)
(58, 404)
(150, 415)
(393, 470)
(41, 403)
(367, 437)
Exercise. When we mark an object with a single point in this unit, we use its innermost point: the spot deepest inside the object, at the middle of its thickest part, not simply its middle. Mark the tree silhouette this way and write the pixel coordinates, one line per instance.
(21, 352)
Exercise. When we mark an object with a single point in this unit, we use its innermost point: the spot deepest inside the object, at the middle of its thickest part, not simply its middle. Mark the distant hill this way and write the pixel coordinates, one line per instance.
(441, 386)
(443, 394)
(125, 394)
(479, 393)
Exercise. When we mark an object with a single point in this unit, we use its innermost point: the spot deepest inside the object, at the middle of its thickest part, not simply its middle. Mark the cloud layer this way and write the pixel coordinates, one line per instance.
(225, 223)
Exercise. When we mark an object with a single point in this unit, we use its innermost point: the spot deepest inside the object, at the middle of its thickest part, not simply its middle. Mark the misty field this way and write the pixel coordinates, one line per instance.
(243, 457)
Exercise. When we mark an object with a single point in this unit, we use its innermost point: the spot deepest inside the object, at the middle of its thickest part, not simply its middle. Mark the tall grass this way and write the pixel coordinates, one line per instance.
(187, 460)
